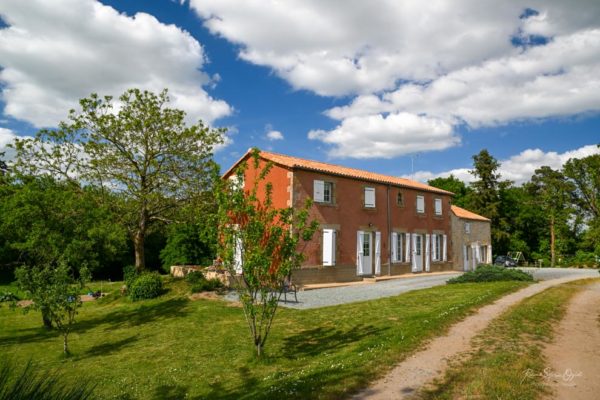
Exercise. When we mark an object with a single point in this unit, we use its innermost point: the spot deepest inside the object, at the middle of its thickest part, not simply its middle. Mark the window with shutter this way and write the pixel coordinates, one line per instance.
(329, 239)
(438, 206)
(420, 204)
(318, 191)
(369, 197)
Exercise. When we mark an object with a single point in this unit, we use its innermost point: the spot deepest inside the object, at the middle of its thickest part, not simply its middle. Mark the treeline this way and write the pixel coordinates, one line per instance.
(554, 217)
(117, 184)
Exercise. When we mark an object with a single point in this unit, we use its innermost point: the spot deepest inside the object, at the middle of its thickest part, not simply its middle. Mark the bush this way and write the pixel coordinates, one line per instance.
(129, 275)
(145, 286)
(207, 285)
(492, 273)
(8, 296)
(194, 277)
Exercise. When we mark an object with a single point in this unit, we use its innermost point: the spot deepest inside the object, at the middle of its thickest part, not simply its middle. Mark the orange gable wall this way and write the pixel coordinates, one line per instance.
(280, 177)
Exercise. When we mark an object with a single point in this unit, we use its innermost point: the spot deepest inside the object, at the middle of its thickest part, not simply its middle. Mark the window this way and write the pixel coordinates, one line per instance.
(436, 248)
(398, 243)
(420, 204)
(438, 206)
(323, 192)
(419, 247)
(400, 199)
(366, 244)
(369, 197)
(483, 254)
(329, 243)
(467, 227)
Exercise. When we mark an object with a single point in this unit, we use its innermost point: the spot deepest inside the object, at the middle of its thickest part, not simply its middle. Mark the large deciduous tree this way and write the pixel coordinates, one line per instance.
(552, 191)
(259, 245)
(137, 148)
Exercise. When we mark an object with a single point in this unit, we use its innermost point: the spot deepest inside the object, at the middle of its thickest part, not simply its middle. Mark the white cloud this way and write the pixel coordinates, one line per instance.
(274, 135)
(54, 53)
(452, 63)
(376, 136)
(518, 168)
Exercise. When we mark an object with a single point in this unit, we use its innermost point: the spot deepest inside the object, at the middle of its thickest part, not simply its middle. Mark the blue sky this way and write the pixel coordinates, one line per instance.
(377, 88)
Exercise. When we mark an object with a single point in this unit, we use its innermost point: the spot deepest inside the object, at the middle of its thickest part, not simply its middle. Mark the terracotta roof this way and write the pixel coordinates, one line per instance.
(295, 162)
(466, 214)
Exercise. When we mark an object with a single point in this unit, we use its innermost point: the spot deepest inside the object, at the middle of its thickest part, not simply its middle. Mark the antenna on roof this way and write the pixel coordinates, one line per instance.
(412, 164)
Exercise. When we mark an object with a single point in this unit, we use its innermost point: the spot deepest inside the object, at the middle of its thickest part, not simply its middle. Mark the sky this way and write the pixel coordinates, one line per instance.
(411, 88)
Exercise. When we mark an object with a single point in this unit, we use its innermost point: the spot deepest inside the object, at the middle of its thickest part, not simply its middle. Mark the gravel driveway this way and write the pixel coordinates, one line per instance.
(349, 294)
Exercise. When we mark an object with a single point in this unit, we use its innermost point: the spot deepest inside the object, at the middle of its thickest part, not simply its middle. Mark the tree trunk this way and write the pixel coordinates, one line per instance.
(138, 245)
(552, 243)
(46, 320)
(258, 349)
(65, 344)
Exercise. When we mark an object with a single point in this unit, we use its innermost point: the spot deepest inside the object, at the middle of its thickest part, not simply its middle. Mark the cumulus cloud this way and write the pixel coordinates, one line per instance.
(377, 136)
(518, 168)
(444, 64)
(54, 53)
(274, 135)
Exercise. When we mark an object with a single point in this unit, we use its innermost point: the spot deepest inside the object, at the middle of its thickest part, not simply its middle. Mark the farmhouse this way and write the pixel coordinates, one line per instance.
(471, 244)
(370, 224)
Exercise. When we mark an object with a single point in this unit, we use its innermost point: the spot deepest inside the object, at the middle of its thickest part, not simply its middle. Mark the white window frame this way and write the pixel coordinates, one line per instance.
(421, 201)
(467, 227)
(436, 247)
(322, 189)
(437, 206)
(329, 247)
(327, 192)
(399, 247)
(368, 204)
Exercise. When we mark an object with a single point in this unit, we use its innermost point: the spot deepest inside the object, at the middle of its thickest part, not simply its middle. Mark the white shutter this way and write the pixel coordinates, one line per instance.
(489, 251)
(359, 252)
(407, 252)
(477, 254)
(328, 247)
(434, 254)
(394, 246)
(445, 248)
(465, 261)
(369, 197)
(414, 252)
(420, 204)
(318, 191)
(427, 252)
(237, 255)
(438, 206)
(377, 253)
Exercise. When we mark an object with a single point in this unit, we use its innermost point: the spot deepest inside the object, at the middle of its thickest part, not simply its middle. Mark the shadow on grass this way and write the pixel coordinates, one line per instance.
(136, 316)
(316, 341)
(109, 347)
(36, 335)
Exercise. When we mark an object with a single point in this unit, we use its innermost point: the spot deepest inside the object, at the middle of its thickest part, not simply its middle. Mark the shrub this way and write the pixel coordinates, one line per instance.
(129, 275)
(195, 277)
(31, 383)
(8, 296)
(492, 273)
(146, 286)
(207, 285)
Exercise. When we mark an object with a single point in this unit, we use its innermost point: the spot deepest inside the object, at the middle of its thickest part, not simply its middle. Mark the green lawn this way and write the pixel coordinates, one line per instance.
(172, 348)
(508, 360)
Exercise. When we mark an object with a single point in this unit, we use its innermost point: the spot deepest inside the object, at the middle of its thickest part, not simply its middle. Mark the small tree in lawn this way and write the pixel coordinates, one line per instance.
(55, 292)
(259, 244)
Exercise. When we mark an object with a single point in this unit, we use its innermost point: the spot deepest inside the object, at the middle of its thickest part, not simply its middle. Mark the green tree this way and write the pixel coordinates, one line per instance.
(584, 173)
(552, 192)
(140, 150)
(55, 292)
(456, 186)
(3, 166)
(45, 222)
(486, 198)
(262, 243)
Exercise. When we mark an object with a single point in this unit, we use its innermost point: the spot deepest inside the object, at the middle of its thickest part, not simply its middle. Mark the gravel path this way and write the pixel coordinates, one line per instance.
(422, 367)
(317, 298)
(575, 353)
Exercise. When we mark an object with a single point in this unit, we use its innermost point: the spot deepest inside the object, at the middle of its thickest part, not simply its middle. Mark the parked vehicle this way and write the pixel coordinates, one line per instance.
(505, 261)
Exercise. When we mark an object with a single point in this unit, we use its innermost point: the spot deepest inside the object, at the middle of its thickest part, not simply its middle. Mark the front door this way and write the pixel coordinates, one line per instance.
(367, 256)
(419, 252)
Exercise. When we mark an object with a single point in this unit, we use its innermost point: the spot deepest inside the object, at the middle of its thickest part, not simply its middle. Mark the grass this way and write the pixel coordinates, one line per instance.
(172, 347)
(508, 361)
(492, 273)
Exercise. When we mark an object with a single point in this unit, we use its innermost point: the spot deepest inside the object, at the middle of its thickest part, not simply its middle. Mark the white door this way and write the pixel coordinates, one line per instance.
(419, 252)
(367, 254)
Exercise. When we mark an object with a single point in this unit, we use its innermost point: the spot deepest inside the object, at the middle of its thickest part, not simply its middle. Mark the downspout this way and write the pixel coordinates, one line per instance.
(389, 225)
